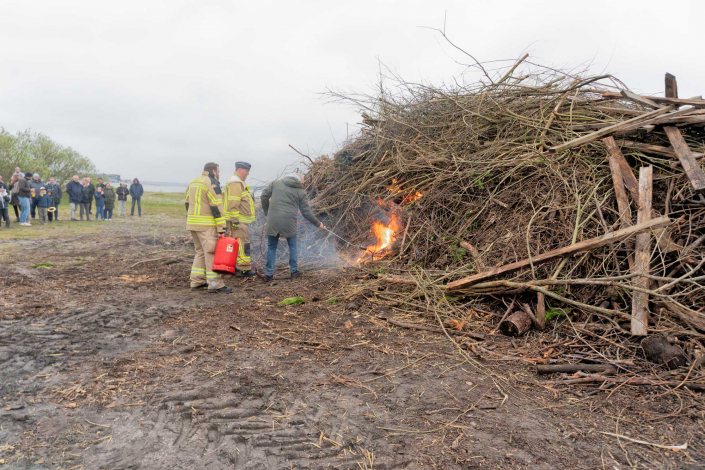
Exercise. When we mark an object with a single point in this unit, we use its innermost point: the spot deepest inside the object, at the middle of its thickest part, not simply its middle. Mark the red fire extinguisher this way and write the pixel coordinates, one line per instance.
(225, 258)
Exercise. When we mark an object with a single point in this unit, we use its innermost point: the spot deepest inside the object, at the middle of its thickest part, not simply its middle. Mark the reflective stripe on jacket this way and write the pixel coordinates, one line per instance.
(239, 203)
(205, 204)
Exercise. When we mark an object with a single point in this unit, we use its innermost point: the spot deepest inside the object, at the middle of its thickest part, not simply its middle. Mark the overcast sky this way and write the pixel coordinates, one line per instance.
(154, 89)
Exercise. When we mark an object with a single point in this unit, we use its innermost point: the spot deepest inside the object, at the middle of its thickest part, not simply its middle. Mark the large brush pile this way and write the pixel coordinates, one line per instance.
(498, 186)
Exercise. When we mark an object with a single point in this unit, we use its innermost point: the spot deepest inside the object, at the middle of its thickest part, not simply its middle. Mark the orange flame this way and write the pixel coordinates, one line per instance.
(410, 197)
(385, 235)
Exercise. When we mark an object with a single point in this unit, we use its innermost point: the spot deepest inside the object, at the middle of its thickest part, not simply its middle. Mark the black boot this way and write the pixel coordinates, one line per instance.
(202, 286)
(249, 273)
(296, 274)
(222, 290)
(268, 278)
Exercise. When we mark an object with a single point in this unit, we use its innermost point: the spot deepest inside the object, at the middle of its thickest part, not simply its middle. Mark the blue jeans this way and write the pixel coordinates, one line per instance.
(139, 206)
(99, 211)
(272, 243)
(108, 213)
(24, 204)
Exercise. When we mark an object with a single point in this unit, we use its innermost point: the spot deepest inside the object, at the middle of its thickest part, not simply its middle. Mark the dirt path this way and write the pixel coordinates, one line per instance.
(106, 365)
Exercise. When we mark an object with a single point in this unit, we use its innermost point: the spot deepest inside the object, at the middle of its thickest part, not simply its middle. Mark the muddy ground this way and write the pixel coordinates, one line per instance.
(107, 364)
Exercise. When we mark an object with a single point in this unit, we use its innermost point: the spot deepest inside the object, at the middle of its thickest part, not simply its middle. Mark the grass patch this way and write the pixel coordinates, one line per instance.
(46, 265)
(292, 301)
(166, 205)
(332, 300)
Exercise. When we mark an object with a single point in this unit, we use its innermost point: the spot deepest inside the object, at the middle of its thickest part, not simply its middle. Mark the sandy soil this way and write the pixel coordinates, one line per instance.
(110, 365)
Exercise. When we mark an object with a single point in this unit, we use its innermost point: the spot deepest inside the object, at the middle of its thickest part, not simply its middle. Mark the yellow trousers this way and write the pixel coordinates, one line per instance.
(201, 270)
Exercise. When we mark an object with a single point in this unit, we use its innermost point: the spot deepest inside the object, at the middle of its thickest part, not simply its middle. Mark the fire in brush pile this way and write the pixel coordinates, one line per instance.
(494, 173)
(386, 234)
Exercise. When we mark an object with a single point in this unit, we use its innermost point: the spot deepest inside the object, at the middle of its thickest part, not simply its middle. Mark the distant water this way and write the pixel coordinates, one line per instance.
(164, 187)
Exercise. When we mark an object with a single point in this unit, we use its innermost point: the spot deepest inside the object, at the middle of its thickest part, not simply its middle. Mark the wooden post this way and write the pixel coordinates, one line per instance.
(642, 255)
(671, 86)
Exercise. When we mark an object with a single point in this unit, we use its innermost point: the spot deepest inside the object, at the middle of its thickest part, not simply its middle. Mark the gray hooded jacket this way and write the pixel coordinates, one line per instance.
(281, 201)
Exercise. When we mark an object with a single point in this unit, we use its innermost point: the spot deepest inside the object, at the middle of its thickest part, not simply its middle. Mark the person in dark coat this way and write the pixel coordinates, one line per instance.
(90, 203)
(25, 194)
(281, 202)
(136, 191)
(75, 191)
(4, 202)
(14, 189)
(86, 198)
(35, 183)
(100, 183)
(44, 202)
(109, 201)
(122, 191)
(99, 203)
(54, 191)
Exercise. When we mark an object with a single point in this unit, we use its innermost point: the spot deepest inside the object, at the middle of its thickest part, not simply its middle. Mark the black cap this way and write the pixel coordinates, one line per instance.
(28, 174)
(243, 165)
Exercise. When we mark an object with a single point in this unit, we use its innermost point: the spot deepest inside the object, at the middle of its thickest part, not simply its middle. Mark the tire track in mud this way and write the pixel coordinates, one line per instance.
(40, 352)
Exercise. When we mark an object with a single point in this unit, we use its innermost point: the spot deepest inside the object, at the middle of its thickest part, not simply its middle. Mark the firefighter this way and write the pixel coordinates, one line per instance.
(206, 222)
(240, 212)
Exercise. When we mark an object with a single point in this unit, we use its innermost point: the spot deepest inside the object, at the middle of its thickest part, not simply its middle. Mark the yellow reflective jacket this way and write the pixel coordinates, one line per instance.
(204, 203)
(239, 203)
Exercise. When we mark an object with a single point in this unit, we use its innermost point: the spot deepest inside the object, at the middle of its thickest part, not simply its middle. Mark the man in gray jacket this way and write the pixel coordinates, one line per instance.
(281, 202)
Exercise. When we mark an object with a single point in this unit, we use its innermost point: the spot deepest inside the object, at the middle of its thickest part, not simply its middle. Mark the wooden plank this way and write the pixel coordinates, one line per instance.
(670, 118)
(625, 212)
(642, 256)
(685, 156)
(671, 86)
(611, 129)
(654, 149)
(580, 247)
(625, 170)
(642, 100)
(696, 101)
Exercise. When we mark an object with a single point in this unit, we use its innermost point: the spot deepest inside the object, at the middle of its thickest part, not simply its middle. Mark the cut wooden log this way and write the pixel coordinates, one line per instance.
(516, 324)
(653, 149)
(539, 322)
(659, 350)
(572, 368)
(690, 165)
(642, 256)
(580, 247)
(611, 129)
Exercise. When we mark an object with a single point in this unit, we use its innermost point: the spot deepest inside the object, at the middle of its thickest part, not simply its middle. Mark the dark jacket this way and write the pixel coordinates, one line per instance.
(99, 199)
(100, 185)
(88, 192)
(36, 184)
(281, 201)
(136, 190)
(25, 188)
(122, 192)
(109, 198)
(75, 191)
(44, 201)
(14, 193)
(55, 191)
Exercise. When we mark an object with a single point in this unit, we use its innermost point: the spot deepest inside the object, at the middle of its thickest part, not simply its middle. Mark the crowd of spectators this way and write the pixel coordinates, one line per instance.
(32, 199)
